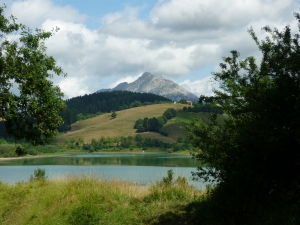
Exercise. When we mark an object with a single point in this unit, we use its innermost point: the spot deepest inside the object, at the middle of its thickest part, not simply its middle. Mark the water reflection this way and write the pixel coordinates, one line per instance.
(110, 159)
(140, 168)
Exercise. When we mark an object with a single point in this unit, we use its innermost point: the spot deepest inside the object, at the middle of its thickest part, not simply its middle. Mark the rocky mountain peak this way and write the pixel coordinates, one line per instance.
(146, 74)
(150, 83)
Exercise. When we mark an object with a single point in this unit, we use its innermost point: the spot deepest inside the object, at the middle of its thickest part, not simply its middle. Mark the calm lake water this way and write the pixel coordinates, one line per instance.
(140, 168)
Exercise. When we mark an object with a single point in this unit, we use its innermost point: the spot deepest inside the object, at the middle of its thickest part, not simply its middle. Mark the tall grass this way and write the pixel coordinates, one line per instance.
(89, 200)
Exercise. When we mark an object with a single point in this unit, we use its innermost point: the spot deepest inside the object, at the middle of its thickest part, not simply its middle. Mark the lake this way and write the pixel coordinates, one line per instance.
(140, 168)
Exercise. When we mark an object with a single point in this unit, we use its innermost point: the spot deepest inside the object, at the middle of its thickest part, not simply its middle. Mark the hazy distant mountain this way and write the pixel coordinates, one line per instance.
(149, 83)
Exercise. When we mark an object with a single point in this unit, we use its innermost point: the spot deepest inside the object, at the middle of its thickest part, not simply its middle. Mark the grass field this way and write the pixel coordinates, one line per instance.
(123, 124)
(87, 200)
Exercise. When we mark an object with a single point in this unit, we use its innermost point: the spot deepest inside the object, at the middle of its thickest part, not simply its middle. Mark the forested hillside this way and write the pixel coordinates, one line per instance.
(86, 106)
(102, 102)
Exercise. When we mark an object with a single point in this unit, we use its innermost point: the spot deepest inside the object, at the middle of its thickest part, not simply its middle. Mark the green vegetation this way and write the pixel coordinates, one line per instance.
(102, 125)
(33, 113)
(132, 143)
(201, 107)
(183, 101)
(113, 115)
(20, 151)
(253, 158)
(88, 106)
(105, 134)
(117, 135)
(11, 149)
(38, 175)
(90, 200)
(155, 124)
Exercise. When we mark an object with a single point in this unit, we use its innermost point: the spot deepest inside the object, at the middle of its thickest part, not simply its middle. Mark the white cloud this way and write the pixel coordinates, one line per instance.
(179, 38)
(35, 12)
(199, 87)
(215, 14)
(129, 14)
(128, 79)
(73, 87)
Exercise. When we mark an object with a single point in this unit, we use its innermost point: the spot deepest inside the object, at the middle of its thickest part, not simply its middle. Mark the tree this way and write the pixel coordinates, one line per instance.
(183, 101)
(154, 124)
(33, 113)
(38, 175)
(138, 139)
(170, 113)
(180, 139)
(136, 103)
(139, 125)
(254, 157)
(162, 120)
(20, 151)
(114, 115)
(80, 140)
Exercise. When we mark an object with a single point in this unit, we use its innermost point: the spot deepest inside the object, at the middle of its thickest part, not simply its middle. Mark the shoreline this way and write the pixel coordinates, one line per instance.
(72, 153)
(31, 157)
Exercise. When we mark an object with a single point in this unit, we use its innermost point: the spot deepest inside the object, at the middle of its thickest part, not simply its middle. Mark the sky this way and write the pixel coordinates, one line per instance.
(102, 43)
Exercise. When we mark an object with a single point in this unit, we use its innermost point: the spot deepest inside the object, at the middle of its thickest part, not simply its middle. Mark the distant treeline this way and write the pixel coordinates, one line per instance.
(129, 142)
(83, 107)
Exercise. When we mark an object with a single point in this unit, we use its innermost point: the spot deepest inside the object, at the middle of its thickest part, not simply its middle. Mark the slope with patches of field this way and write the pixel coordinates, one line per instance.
(123, 124)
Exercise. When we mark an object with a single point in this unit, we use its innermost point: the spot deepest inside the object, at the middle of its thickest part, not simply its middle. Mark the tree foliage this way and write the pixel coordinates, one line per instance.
(183, 101)
(38, 175)
(170, 113)
(117, 143)
(254, 157)
(31, 112)
(113, 115)
(200, 107)
(154, 124)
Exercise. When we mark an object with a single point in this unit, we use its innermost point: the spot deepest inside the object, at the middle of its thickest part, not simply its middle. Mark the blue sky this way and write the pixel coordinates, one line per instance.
(103, 43)
(95, 9)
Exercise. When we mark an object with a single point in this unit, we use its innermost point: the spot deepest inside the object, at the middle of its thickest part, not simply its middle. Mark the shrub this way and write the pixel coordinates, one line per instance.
(38, 174)
(113, 114)
(20, 151)
(167, 189)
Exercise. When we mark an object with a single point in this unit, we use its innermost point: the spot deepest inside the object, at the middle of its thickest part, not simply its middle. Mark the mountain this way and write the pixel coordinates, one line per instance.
(150, 83)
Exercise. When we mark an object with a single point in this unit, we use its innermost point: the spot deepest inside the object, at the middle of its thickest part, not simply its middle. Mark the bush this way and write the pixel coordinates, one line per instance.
(114, 115)
(38, 174)
(168, 180)
(20, 151)
(167, 189)
(32, 152)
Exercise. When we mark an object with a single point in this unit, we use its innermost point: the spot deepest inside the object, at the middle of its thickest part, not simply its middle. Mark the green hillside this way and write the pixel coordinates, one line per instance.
(87, 106)
(123, 124)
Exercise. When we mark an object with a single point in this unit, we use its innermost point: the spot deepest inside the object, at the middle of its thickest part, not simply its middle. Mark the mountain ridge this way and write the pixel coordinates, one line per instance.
(156, 84)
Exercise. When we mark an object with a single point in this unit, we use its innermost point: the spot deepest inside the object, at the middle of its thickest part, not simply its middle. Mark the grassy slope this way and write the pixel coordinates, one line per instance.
(123, 125)
(175, 125)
